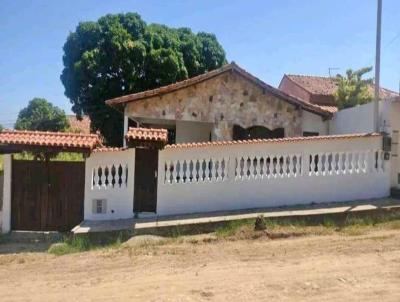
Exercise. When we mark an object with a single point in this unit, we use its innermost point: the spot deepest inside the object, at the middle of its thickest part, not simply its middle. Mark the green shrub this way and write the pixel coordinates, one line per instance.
(74, 244)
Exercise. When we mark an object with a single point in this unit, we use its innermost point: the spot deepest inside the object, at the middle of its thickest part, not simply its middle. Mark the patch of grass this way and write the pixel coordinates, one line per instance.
(75, 244)
(351, 224)
(1, 163)
(393, 225)
(230, 228)
(70, 245)
(328, 222)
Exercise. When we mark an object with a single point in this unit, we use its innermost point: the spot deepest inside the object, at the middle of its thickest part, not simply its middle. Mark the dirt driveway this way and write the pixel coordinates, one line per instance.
(316, 268)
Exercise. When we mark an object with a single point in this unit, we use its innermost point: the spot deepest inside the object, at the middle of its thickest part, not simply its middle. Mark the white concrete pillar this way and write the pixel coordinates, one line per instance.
(6, 219)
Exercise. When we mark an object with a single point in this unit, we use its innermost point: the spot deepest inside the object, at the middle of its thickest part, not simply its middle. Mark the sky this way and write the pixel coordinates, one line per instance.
(268, 38)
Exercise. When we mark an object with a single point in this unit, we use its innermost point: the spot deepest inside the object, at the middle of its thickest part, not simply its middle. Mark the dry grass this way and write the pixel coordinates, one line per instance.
(349, 225)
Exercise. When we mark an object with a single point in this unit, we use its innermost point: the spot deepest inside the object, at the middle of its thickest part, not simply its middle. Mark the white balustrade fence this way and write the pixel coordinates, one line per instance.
(197, 170)
(264, 174)
(110, 178)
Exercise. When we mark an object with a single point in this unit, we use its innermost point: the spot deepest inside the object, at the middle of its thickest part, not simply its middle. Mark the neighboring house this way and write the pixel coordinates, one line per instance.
(79, 125)
(222, 105)
(320, 90)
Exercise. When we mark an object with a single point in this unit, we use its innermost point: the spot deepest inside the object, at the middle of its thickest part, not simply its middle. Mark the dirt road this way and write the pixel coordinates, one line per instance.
(317, 268)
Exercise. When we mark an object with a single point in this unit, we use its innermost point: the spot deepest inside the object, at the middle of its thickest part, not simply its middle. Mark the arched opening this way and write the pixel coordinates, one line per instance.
(256, 132)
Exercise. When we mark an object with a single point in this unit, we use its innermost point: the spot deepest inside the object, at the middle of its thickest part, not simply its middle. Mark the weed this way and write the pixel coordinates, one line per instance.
(70, 245)
(231, 227)
(328, 222)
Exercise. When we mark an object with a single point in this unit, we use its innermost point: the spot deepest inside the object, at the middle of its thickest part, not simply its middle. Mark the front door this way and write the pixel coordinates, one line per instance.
(146, 167)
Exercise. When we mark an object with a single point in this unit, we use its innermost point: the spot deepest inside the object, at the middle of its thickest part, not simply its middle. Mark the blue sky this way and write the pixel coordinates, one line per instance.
(268, 38)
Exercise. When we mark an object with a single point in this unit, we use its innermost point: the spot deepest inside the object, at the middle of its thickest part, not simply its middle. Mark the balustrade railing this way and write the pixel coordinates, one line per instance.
(196, 170)
(271, 166)
(110, 176)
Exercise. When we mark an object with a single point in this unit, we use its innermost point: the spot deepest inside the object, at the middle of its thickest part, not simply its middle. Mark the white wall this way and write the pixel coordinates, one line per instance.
(238, 179)
(353, 120)
(6, 211)
(119, 198)
(359, 119)
(390, 120)
(188, 132)
(314, 123)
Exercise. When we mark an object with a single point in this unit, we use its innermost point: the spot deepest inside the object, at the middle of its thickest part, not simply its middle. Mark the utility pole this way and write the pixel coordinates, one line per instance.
(377, 65)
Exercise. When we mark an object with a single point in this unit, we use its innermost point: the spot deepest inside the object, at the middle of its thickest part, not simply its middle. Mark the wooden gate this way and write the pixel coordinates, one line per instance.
(47, 196)
(146, 167)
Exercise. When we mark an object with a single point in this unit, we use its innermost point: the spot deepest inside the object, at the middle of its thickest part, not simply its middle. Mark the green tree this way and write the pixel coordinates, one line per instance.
(353, 89)
(1, 127)
(121, 54)
(42, 116)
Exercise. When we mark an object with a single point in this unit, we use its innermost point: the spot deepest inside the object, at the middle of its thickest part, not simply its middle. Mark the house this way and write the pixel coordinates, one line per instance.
(222, 105)
(320, 90)
(232, 142)
(220, 141)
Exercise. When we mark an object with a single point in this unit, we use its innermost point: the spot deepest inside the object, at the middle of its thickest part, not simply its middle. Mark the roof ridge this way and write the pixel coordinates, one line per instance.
(309, 76)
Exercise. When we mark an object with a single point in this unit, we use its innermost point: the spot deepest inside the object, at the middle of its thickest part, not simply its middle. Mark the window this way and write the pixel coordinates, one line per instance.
(310, 133)
(99, 206)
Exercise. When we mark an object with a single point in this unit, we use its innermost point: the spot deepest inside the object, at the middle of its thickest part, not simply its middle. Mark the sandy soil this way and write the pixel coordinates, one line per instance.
(317, 268)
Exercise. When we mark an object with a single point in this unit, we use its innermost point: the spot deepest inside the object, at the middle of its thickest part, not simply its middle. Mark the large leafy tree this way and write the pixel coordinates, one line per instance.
(121, 54)
(353, 89)
(41, 115)
(1, 127)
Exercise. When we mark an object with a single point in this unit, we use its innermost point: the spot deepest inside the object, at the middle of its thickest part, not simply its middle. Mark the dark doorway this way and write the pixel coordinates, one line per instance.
(47, 196)
(146, 167)
(308, 133)
(256, 132)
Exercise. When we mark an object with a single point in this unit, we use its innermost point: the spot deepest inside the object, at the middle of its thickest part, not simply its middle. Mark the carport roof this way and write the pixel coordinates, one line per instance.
(16, 141)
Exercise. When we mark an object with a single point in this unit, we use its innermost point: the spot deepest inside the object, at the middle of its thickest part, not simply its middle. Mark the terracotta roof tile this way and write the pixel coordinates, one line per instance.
(275, 140)
(49, 139)
(203, 77)
(150, 134)
(109, 149)
(327, 85)
(331, 109)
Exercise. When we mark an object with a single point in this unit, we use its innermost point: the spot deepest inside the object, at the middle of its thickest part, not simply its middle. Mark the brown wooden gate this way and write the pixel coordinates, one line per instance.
(47, 196)
(146, 167)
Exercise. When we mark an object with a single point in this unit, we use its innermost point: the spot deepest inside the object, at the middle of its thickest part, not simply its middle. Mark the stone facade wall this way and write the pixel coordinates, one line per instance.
(224, 100)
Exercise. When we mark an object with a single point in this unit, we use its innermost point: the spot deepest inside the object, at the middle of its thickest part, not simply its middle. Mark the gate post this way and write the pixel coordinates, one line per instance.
(6, 212)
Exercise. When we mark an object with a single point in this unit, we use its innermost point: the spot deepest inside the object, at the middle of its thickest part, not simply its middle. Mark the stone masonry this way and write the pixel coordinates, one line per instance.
(224, 100)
